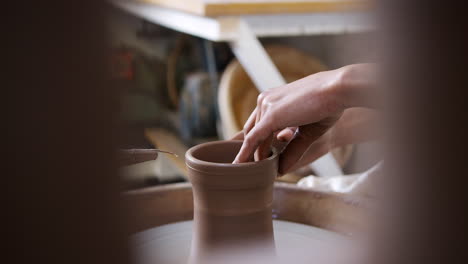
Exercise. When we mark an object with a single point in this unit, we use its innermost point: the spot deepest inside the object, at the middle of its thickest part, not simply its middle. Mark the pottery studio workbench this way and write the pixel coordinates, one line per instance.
(240, 23)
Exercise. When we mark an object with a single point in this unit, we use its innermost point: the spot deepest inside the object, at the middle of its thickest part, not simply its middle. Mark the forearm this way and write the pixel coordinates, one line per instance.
(356, 125)
(357, 86)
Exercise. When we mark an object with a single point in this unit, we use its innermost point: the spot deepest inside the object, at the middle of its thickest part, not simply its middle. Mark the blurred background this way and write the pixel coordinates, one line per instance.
(182, 85)
(84, 78)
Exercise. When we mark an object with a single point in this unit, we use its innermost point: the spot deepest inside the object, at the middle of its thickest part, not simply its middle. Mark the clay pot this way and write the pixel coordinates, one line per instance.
(232, 202)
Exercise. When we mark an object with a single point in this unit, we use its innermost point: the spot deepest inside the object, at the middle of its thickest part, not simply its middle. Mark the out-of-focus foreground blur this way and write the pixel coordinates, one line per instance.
(103, 99)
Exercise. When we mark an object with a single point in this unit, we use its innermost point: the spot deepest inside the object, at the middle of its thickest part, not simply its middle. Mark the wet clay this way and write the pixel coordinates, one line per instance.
(232, 202)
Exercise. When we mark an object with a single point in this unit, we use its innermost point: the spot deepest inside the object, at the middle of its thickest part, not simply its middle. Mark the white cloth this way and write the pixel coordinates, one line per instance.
(361, 184)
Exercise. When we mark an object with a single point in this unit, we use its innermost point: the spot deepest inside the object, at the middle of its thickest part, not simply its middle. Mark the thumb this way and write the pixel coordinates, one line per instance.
(303, 139)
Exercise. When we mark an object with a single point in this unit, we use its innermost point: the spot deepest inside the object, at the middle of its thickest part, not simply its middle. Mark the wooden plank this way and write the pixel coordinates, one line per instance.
(243, 7)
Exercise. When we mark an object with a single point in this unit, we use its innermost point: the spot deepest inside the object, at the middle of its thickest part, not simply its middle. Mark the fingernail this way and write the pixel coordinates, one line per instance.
(282, 139)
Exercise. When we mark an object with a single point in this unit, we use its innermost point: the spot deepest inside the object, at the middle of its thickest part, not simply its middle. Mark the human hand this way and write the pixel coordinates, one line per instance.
(355, 125)
(312, 104)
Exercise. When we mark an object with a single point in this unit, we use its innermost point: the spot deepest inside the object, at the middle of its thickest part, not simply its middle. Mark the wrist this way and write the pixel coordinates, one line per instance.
(343, 86)
(353, 85)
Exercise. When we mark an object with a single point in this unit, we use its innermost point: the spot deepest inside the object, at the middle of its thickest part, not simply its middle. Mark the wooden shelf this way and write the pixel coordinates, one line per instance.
(225, 28)
(243, 7)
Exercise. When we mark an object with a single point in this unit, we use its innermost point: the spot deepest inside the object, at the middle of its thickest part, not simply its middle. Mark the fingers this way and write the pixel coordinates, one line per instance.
(316, 150)
(303, 139)
(286, 134)
(249, 124)
(259, 133)
(264, 149)
(262, 146)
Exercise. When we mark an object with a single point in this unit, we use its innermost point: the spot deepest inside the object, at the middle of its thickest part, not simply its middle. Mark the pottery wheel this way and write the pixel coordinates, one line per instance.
(170, 244)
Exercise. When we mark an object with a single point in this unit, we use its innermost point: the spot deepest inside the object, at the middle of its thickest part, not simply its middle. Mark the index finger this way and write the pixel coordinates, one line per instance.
(252, 140)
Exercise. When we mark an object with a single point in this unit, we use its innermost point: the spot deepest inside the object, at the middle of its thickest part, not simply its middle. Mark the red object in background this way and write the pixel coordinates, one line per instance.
(122, 66)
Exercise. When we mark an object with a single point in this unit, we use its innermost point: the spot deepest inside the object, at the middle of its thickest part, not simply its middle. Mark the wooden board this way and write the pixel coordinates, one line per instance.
(240, 7)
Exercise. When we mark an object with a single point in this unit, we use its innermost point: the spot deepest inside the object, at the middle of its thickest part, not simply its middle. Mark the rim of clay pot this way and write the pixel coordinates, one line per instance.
(211, 168)
(193, 162)
(189, 154)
